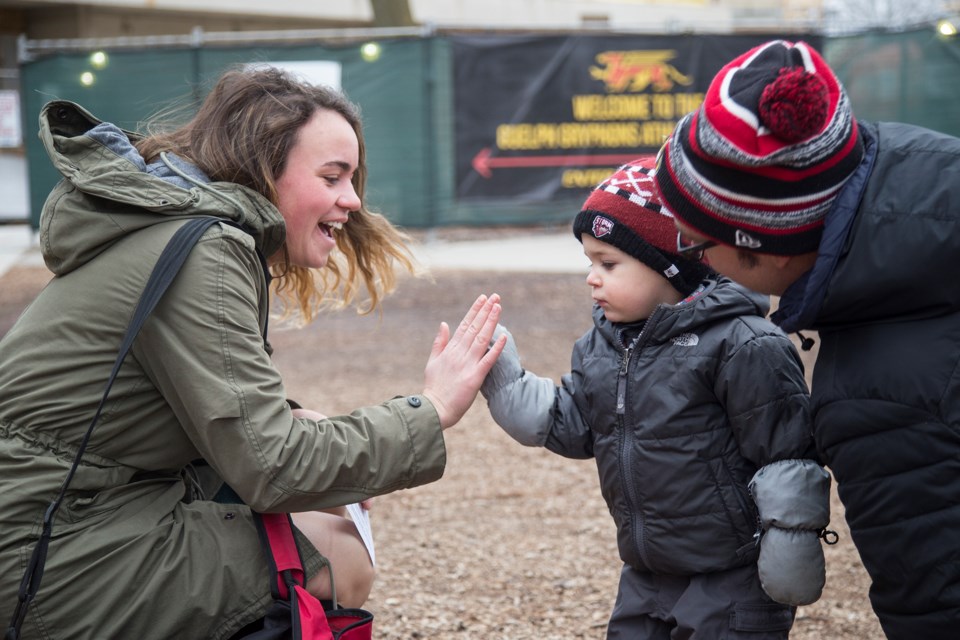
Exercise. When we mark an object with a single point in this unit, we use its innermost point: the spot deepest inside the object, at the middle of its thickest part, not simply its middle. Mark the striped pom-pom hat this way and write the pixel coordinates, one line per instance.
(760, 163)
(625, 211)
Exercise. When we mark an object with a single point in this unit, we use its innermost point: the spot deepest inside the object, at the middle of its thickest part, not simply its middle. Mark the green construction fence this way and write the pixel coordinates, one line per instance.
(407, 101)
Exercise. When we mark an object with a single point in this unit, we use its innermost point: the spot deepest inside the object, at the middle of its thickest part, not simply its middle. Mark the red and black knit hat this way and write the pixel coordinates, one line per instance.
(759, 164)
(625, 211)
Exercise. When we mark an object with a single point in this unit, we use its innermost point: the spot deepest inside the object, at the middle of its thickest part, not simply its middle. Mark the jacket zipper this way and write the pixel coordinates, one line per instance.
(622, 387)
(626, 438)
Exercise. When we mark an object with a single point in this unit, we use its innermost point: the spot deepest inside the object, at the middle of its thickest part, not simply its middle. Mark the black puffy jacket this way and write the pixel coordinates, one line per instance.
(885, 297)
(711, 392)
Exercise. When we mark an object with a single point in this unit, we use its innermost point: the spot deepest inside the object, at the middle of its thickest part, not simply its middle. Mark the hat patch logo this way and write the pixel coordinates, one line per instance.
(602, 227)
(745, 240)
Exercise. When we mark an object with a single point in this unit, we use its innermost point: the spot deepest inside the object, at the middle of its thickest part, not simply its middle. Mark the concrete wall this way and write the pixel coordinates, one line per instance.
(45, 19)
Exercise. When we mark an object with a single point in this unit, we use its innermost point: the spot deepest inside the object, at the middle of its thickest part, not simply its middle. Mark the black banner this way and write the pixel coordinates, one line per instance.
(544, 118)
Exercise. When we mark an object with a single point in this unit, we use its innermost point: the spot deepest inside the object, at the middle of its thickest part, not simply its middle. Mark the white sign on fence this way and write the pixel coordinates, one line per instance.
(322, 72)
(11, 133)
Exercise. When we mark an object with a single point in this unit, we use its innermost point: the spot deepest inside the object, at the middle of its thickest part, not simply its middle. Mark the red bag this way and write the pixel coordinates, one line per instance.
(295, 613)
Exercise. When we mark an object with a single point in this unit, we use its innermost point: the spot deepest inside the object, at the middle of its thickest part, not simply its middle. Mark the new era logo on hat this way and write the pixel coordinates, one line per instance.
(746, 241)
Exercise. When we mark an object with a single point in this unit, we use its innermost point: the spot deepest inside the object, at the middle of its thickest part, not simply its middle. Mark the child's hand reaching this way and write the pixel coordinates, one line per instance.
(519, 401)
(506, 369)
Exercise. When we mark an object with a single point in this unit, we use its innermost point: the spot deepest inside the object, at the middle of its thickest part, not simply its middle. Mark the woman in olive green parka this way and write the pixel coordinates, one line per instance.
(139, 549)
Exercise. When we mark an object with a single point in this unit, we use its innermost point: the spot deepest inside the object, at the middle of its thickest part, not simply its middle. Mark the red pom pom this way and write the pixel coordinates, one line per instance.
(796, 105)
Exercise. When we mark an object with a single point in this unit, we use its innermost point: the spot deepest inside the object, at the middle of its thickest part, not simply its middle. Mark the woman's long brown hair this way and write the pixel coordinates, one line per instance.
(243, 133)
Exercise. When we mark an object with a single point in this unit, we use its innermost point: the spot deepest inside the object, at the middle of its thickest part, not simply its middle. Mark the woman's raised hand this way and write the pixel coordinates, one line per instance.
(458, 364)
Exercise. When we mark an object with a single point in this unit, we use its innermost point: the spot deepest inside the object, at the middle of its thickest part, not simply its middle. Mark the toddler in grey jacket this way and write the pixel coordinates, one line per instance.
(695, 408)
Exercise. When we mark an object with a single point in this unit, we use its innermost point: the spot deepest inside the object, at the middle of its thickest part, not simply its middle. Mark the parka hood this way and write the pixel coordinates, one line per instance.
(108, 191)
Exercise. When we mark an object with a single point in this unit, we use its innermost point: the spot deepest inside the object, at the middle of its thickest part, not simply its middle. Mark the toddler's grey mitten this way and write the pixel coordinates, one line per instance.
(793, 498)
(519, 401)
(506, 369)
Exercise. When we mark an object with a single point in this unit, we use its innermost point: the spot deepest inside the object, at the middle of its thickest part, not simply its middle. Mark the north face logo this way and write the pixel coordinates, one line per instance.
(602, 226)
(687, 340)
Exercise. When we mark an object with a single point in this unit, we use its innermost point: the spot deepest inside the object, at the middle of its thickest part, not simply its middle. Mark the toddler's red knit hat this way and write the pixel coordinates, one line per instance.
(625, 211)
(760, 163)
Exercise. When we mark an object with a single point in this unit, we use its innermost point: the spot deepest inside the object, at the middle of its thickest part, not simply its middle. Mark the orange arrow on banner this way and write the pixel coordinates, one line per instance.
(484, 164)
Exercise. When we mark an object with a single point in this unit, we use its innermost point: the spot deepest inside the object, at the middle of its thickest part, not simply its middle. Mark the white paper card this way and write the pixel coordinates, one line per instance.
(361, 518)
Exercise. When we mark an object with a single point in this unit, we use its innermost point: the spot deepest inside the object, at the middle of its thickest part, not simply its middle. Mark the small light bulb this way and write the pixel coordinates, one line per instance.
(946, 28)
(98, 59)
(87, 78)
(370, 51)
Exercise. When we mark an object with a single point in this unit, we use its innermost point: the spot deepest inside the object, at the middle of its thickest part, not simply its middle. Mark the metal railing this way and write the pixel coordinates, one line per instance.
(28, 50)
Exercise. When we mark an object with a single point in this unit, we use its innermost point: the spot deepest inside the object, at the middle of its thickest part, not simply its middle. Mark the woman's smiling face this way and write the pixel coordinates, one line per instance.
(315, 192)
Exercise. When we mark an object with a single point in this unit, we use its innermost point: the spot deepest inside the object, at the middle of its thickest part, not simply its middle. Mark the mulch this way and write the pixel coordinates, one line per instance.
(513, 542)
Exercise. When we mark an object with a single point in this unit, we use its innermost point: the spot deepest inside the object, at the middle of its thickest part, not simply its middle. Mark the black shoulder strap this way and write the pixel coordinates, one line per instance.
(164, 272)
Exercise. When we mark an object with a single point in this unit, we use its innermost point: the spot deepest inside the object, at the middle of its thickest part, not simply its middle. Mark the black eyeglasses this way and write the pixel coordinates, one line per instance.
(692, 251)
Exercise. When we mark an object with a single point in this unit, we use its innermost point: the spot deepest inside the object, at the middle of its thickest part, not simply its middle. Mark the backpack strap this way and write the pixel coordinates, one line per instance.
(276, 538)
(164, 272)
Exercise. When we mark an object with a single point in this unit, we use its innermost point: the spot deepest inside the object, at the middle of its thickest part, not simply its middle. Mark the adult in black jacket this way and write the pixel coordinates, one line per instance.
(857, 226)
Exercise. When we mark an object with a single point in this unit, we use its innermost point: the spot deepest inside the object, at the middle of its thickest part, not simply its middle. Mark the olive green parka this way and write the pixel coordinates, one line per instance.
(137, 550)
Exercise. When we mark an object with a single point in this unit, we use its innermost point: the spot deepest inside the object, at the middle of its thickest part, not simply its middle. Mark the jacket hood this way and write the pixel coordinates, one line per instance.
(108, 191)
(890, 243)
(719, 299)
